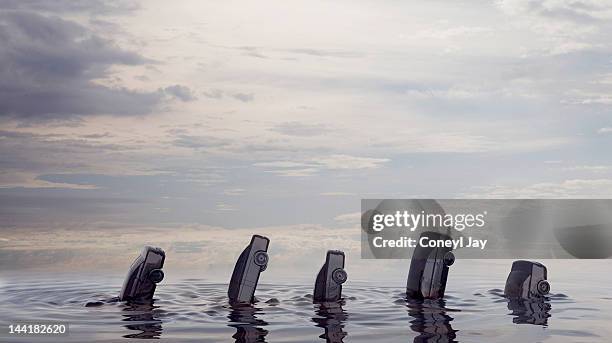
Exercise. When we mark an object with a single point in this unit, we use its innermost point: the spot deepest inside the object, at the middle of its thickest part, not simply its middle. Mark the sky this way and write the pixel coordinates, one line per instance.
(163, 120)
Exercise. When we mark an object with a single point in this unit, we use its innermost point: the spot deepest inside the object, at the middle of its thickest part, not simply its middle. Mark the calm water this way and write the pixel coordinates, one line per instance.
(194, 310)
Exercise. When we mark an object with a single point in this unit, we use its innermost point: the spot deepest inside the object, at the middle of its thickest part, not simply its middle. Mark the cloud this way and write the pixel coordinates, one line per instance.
(43, 208)
(50, 68)
(563, 27)
(234, 191)
(300, 172)
(72, 6)
(180, 92)
(338, 161)
(597, 100)
(32, 180)
(300, 129)
(97, 135)
(453, 32)
(575, 188)
(280, 53)
(562, 10)
(581, 12)
(314, 165)
(326, 53)
(28, 158)
(589, 168)
(200, 142)
(221, 206)
(405, 111)
(214, 94)
(280, 164)
(244, 97)
(604, 130)
(348, 219)
(220, 94)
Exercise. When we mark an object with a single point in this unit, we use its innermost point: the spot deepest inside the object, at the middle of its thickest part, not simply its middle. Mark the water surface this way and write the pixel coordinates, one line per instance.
(196, 310)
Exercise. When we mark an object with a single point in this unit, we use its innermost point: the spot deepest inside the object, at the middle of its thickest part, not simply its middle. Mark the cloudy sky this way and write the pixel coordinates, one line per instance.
(209, 116)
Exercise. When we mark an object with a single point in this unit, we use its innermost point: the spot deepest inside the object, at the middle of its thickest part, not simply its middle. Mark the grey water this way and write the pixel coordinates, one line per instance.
(196, 310)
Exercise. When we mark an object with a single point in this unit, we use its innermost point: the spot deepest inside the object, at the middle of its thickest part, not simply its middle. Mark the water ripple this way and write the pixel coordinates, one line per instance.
(194, 310)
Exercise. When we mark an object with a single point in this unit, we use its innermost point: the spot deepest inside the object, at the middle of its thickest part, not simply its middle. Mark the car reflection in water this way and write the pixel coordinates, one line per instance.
(431, 321)
(534, 311)
(248, 326)
(331, 317)
(142, 318)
